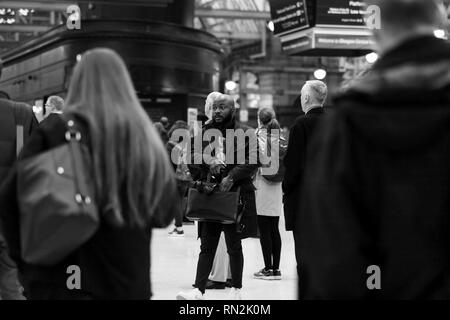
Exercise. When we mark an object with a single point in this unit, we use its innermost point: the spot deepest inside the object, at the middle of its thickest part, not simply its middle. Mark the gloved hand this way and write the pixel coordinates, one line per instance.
(216, 168)
(204, 187)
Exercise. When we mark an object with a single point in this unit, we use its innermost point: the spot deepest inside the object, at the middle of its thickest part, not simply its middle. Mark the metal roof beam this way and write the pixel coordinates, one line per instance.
(6, 45)
(61, 5)
(23, 28)
(233, 14)
(41, 6)
(41, 28)
(236, 35)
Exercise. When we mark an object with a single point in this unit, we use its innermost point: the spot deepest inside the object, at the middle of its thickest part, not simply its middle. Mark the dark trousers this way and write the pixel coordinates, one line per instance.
(301, 278)
(297, 251)
(270, 241)
(10, 288)
(209, 236)
(179, 217)
(182, 190)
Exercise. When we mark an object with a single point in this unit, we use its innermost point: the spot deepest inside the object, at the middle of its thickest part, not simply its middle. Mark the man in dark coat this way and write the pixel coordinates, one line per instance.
(53, 109)
(17, 121)
(231, 172)
(375, 209)
(313, 96)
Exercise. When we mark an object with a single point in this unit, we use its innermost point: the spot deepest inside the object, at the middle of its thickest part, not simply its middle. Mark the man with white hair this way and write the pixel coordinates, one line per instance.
(375, 209)
(313, 96)
(54, 105)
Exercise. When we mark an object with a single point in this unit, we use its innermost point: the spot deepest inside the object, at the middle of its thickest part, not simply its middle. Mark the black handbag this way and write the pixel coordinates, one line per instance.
(57, 205)
(221, 207)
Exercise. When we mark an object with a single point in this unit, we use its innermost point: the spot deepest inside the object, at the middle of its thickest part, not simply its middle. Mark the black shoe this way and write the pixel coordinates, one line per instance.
(214, 285)
(264, 273)
(229, 283)
(276, 275)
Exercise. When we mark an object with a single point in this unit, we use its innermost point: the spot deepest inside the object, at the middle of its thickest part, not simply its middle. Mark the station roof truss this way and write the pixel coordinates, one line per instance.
(235, 22)
(238, 23)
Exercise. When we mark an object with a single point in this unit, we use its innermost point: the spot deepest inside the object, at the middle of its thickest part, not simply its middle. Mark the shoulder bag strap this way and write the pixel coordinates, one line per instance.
(19, 139)
(73, 136)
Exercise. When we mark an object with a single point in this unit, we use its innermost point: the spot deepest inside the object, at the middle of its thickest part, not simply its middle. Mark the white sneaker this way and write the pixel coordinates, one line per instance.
(235, 294)
(194, 294)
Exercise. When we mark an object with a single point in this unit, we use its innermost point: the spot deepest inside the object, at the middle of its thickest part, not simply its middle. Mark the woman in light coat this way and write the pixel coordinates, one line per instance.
(269, 202)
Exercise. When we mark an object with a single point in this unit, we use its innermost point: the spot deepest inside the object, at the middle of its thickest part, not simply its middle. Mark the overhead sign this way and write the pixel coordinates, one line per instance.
(326, 41)
(289, 15)
(344, 13)
(299, 44)
(327, 27)
(353, 42)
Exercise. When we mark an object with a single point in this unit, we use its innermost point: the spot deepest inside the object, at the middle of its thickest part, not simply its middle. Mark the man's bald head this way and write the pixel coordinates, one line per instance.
(223, 108)
(227, 99)
(401, 19)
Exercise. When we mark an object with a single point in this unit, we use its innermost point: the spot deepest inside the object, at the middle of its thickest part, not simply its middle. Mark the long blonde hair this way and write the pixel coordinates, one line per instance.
(132, 169)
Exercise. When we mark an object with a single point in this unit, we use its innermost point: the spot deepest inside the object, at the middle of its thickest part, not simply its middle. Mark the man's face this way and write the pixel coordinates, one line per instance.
(222, 110)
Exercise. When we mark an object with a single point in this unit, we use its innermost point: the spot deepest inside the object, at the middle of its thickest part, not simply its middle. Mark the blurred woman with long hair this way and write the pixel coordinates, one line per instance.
(133, 182)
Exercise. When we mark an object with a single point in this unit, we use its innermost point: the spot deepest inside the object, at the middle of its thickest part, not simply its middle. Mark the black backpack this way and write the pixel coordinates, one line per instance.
(279, 176)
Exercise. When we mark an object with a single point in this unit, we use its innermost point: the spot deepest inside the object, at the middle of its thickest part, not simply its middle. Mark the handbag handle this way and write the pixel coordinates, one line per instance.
(73, 136)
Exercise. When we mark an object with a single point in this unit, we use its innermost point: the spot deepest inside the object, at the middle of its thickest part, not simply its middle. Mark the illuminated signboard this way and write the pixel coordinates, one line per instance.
(321, 41)
(322, 27)
(288, 15)
(340, 13)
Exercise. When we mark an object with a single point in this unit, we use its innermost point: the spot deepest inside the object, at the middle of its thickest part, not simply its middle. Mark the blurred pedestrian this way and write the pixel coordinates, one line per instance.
(165, 122)
(269, 200)
(313, 96)
(17, 122)
(177, 150)
(162, 132)
(135, 187)
(375, 206)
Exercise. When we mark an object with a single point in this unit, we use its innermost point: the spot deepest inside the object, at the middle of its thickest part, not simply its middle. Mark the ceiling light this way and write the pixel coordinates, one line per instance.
(439, 33)
(371, 57)
(320, 74)
(230, 85)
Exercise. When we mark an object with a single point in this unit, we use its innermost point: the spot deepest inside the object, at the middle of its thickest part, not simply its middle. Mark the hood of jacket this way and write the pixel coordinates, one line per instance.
(404, 102)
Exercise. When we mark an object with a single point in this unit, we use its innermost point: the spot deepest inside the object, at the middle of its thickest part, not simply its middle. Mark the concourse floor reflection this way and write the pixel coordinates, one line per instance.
(174, 262)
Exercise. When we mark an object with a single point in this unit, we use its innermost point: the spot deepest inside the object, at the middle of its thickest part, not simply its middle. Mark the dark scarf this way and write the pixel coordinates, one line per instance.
(229, 123)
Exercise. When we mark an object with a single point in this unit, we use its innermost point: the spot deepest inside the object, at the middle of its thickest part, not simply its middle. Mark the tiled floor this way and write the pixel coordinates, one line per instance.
(174, 262)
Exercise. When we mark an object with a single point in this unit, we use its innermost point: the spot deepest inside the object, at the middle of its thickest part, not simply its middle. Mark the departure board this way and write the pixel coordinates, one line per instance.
(288, 15)
(340, 13)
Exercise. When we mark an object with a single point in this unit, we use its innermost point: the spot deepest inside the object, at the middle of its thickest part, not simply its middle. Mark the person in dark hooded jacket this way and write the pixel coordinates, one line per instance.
(375, 209)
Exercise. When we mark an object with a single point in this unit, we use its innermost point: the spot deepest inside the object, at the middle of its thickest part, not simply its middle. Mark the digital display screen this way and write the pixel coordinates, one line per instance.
(288, 15)
(340, 13)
